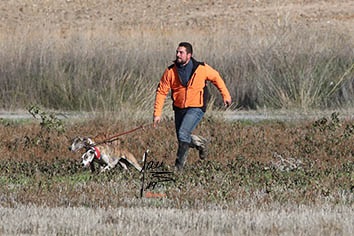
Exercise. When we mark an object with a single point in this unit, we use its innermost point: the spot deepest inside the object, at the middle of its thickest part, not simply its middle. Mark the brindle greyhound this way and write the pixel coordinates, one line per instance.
(105, 154)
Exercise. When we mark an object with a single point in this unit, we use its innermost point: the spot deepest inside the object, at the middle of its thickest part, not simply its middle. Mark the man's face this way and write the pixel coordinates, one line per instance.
(182, 57)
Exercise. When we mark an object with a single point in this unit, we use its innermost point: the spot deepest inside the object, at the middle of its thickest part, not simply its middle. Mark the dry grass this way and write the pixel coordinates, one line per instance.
(269, 220)
(67, 56)
(296, 68)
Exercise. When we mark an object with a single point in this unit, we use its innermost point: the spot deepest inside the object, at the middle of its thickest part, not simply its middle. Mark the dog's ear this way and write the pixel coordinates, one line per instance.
(87, 141)
(76, 139)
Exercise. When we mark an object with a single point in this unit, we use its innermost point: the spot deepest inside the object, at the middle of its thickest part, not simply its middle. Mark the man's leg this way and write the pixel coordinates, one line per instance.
(201, 144)
(186, 120)
(182, 154)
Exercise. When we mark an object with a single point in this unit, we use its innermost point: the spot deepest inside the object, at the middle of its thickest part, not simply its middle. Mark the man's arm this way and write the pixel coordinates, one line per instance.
(157, 120)
(227, 102)
(161, 92)
(215, 78)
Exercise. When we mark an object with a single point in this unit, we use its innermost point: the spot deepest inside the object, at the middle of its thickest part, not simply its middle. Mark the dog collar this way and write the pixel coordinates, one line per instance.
(97, 153)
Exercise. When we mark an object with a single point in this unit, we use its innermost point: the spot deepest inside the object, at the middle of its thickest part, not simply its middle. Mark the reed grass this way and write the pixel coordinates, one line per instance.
(104, 71)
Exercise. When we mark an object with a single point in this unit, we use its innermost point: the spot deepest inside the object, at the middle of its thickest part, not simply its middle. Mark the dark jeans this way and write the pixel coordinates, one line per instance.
(185, 121)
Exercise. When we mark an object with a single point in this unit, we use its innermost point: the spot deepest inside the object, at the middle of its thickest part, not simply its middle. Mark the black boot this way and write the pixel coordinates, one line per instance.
(201, 144)
(182, 153)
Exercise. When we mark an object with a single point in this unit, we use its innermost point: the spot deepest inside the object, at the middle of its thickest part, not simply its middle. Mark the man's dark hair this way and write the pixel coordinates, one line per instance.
(187, 45)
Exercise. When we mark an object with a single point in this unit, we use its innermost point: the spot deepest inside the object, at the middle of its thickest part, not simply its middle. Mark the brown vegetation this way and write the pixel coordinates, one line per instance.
(252, 170)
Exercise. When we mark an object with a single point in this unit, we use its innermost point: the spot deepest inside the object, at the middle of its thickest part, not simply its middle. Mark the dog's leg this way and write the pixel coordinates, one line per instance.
(114, 162)
(123, 165)
(107, 161)
(106, 168)
(92, 167)
(129, 159)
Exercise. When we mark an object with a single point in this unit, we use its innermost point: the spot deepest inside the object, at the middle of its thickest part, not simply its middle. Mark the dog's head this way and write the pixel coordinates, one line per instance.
(80, 142)
(88, 157)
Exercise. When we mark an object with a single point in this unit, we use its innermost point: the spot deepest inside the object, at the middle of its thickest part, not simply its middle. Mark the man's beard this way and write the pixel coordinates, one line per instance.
(179, 61)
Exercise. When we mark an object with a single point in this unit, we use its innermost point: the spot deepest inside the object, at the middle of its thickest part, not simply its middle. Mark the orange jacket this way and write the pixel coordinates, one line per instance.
(192, 95)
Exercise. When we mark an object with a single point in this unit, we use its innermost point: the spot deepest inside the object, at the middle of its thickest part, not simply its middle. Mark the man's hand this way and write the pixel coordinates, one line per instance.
(227, 103)
(157, 120)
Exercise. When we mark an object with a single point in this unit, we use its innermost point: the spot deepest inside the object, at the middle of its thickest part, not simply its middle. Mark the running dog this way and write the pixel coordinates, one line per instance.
(105, 154)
